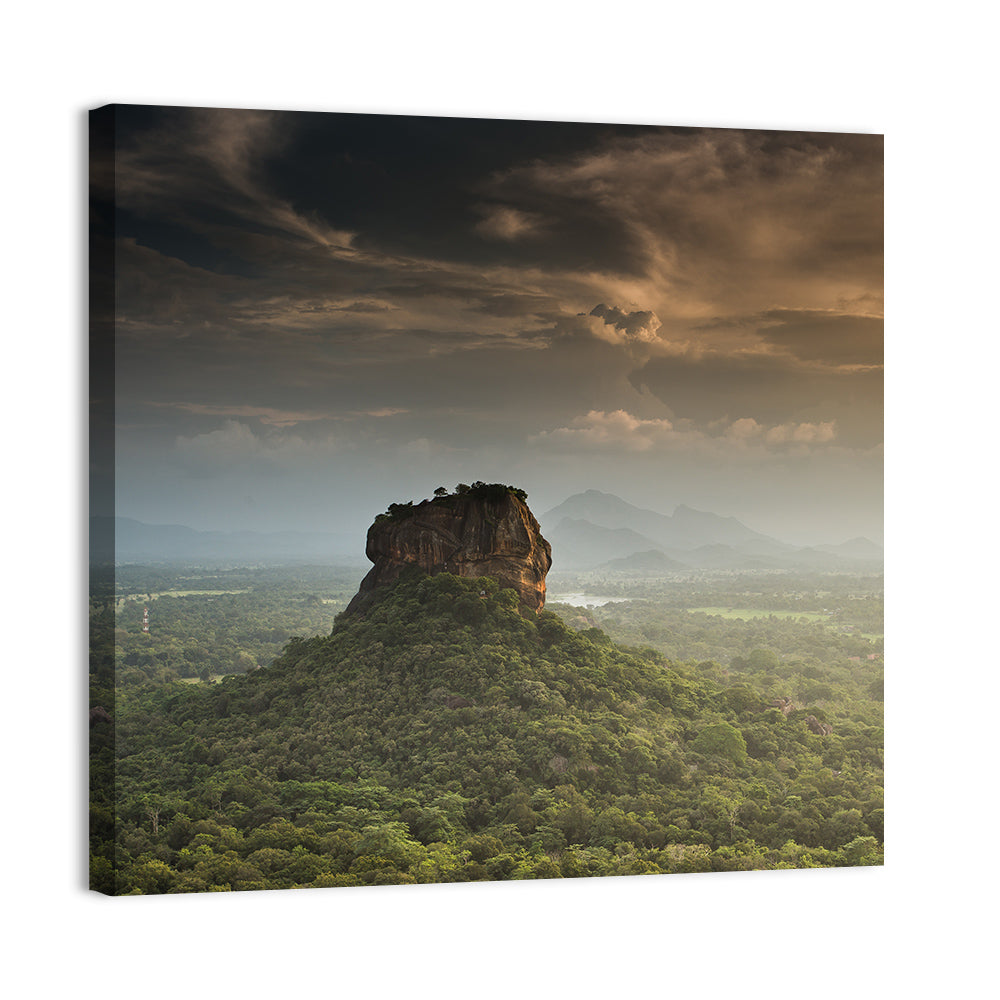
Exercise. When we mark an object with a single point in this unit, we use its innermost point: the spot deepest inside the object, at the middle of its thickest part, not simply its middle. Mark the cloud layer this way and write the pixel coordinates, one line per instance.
(313, 286)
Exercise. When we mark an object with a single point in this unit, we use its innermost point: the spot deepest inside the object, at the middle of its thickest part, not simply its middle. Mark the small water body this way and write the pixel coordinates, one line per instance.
(584, 600)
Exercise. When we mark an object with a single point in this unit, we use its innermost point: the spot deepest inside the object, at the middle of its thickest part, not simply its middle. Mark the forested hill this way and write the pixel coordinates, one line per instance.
(446, 737)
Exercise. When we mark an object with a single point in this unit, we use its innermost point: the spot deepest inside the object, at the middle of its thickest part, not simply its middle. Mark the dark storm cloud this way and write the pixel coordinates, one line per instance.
(424, 187)
(208, 172)
(204, 170)
(670, 197)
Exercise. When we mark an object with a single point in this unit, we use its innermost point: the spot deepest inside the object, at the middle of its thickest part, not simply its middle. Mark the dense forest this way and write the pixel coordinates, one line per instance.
(446, 736)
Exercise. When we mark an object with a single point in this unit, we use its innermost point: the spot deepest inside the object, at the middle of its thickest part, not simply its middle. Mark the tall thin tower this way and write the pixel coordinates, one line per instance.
(145, 619)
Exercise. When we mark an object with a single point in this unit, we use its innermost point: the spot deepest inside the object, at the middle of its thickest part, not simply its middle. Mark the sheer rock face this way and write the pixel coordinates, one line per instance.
(465, 535)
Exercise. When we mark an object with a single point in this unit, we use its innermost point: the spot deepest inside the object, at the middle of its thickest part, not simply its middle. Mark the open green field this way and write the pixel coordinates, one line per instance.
(746, 614)
(178, 593)
(199, 593)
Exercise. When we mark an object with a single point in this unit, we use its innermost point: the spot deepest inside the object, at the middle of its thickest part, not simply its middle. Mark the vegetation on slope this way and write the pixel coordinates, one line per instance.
(442, 498)
(444, 737)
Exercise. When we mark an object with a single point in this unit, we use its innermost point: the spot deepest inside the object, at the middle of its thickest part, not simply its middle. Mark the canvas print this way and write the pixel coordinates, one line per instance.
(476, 500)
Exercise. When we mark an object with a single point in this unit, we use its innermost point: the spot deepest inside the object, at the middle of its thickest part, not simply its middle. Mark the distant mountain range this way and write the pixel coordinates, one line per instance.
(128, 541)
(590, 530)
(595, 530)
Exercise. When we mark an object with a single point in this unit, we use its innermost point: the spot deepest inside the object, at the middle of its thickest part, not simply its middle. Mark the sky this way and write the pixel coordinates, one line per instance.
(319, 314)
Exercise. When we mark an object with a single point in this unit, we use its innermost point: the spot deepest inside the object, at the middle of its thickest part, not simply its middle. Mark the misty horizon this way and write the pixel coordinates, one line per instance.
(350, 525)
(357, 521)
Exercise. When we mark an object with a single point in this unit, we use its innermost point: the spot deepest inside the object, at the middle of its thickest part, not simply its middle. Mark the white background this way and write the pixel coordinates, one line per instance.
(923, 925)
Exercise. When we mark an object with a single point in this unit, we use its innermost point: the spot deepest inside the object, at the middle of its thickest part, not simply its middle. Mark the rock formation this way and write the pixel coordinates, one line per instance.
(99, 714)
(817, 727)
(482, 530)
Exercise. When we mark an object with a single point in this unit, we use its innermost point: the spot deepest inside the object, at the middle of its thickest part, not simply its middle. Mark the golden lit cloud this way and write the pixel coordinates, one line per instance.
(621, 431)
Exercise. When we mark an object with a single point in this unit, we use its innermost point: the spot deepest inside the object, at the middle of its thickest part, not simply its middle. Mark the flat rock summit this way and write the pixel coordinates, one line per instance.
(479, 530)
